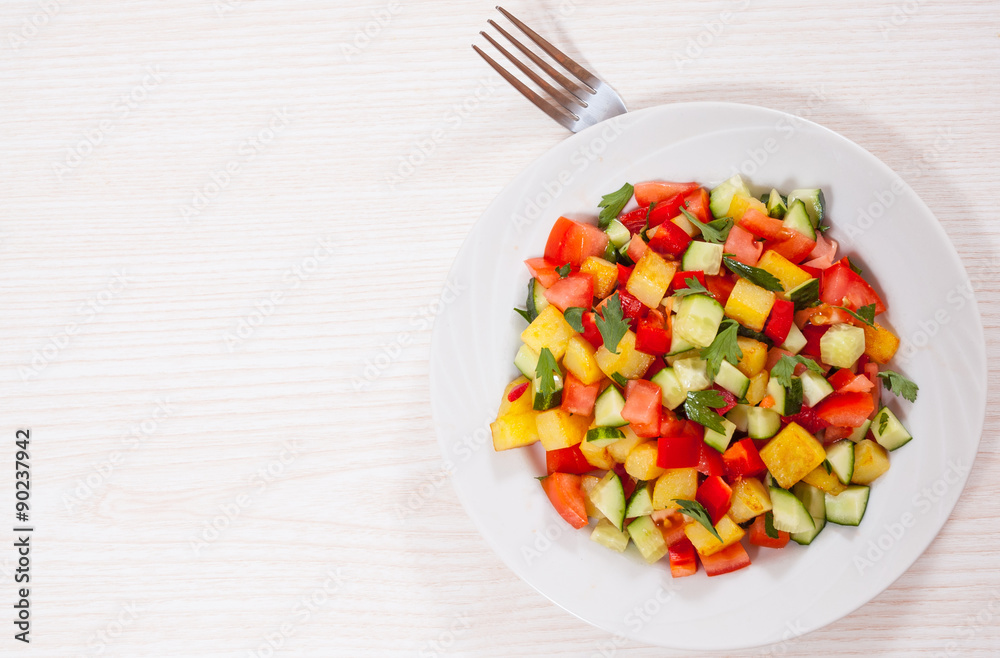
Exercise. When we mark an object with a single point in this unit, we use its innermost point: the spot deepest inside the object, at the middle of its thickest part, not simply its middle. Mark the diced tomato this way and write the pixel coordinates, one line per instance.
(761, 225)
(834, 434)
(720, 286)
(731, 558)
(577, 397)
(516, 392)
(566, 496)
(680, 279)
(709, 460)
(590, 331)
(743, 245)
(567, 460)
(871, 371)
(657, 191)
(823, 254)
(813, 334)
(845, 381)
(841, 286)
(577, 289)
(623, 274)
(669, 240)
(628, 482)
(845, 409)
(779, 323)
(808, 419)
(714, 495)
(683, 451)
(823, 314)
(544, 270)
(697, 204)
(572, 242)
(665, 210)
(773, 356)
(683, 560)
(743, 460)
(792, 245)
(758, 535)
(652, 336)
(643, 404)
(636, 248)
(634, 220)
(730, 399)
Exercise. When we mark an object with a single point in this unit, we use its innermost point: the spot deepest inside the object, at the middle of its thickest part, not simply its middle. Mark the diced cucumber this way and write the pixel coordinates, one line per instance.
(804, 295)
(797, 219)
(814, 387)
(606, 534)
(609, 497)
(776, 205)
(787, 401)
(690, 354)
(814, 501)
(795, 340)
(618, 234)
(678, 345)
(889, 433)
(740, 416)
(538, 295)
(611, 252)
(721, 197)
(673, 393)
(813, 201)
(647, 538)
(542, 402)
(841, 458)
(604, 436)
(732, 380)
(526, 360)
(621, 256)
(842, 345)
(698, 318)
(777, 392)
(763, 423)
(790, 514)
(692, 374)
(608, 408)
(860, 433)
(641, 502)
(849, 507)
(720, 441)
(704, 256)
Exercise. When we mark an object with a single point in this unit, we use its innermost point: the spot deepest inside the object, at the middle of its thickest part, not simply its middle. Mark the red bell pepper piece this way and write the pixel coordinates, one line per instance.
(683, 558)
(665, 210)
(680, 279)
(813, 333)
(623, 274)
(632, 308)
(590, 331)
(656, 366)
(743, 460)
(683, 451)
(628, 482)
(758, 535)
(567, 460)
(516, 392)
(779, 322)
(634, 220)
(669, 240)
(720, 286)
(652, 336)
(729, 559)
(710, 461)
(714, 495)
(671, 525)
(730, 399)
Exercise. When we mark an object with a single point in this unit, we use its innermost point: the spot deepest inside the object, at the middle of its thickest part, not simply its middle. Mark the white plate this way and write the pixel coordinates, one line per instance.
(786, 593)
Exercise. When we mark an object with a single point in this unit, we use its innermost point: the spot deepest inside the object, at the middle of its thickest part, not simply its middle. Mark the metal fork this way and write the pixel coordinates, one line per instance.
(574, 105)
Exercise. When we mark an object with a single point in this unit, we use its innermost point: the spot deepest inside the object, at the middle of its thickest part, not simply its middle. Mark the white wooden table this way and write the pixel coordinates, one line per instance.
(225, 230)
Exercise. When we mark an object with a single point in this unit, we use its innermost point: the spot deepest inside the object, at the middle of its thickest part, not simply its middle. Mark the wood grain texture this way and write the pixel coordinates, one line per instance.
(209, 480)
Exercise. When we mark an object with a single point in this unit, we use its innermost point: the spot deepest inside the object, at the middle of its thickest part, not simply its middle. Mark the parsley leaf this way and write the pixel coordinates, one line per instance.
(619, 379)
(723, 347)
(611, 204)
(696, 511)
(523, 314)
(612, 326)
(694, 287)
(900, 385)
(546, 372)
(754, 275)
(883, 421)
(715, 231)
(645, 228)
(769, 528)
(574, 317)
(783, 369)
(857, 270)
(531, 312)
(563, 271)
(865, 314)
(699, 405)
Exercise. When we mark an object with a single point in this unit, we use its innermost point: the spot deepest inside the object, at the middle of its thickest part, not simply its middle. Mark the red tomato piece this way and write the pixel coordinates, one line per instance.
(839, 285)
(643, 403)
(516, 392)
(792, 245)
(871, 371)
(824, 253)
(810, 270)
(811, 421)
(846, 409)
(773, 356)
(683, 560)
(682, 451)
(731, 558)
(566, 496)
(572, 242)
(697, 205)
(834, 434)
(544, 270)
(577, 397)
(590, 331)
(779, 323)
(577, 289)
(743, 460)
(632, 308)
(714, 495)
(710, 461)
(720, 286)
(652, 335)
(567, 460)
(758, 535)
(634, 220)
(761, 225)
(657, 191)
(623, 274)
(669, 240)
(743, 245)
(845, 381)
(680, 279)
(636, 248)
